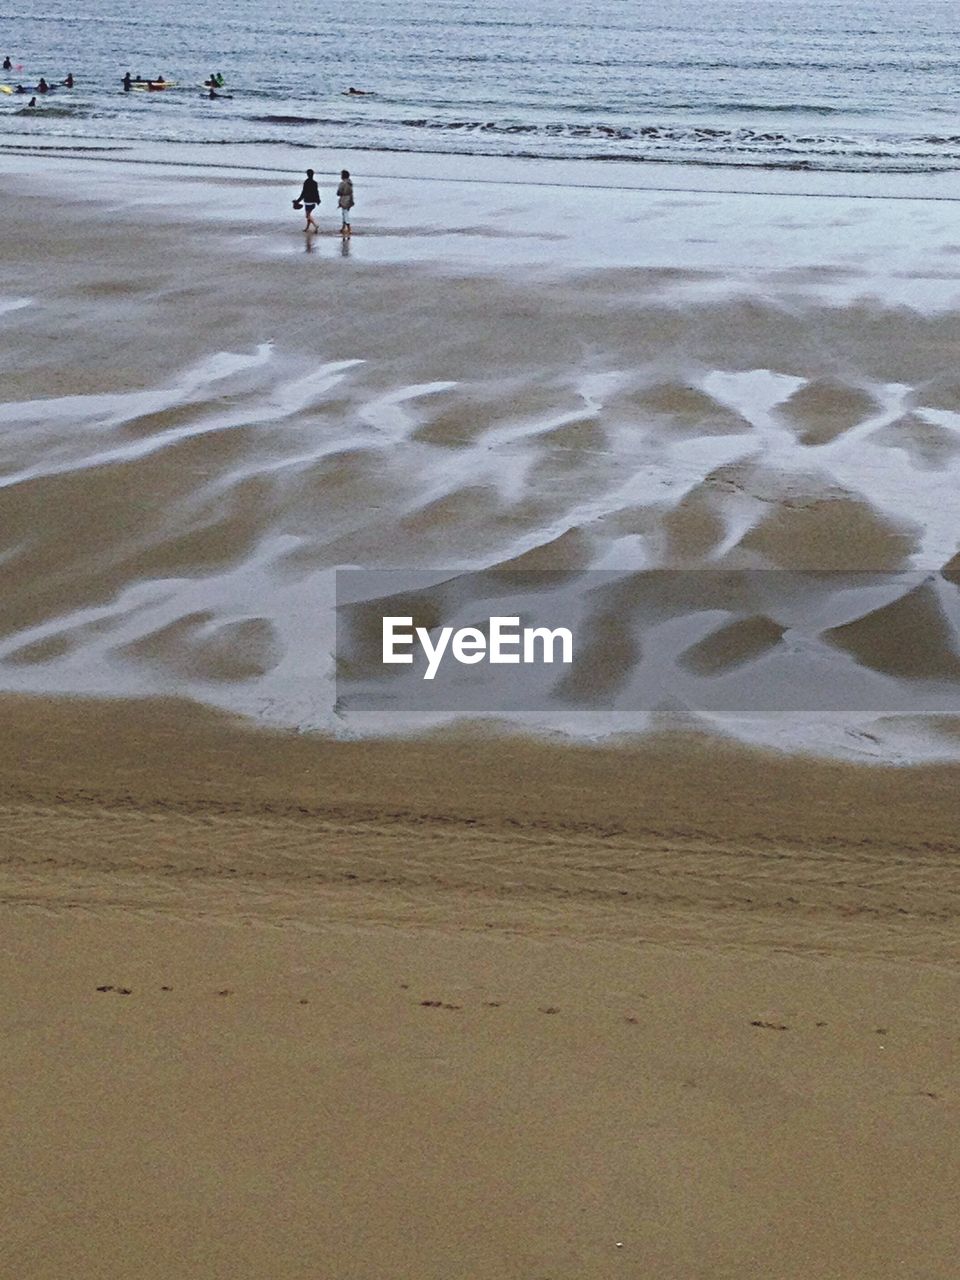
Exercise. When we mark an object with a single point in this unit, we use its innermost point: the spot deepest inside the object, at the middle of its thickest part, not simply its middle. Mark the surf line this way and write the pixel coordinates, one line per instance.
(67, 153)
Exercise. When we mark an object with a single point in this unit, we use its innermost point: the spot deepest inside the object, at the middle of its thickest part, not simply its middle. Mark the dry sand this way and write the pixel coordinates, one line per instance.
(479, 1007)
(468, 1005)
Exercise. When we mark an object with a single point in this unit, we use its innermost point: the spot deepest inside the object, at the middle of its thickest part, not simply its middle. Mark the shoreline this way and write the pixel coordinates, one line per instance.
(679, 366)
(437, 166)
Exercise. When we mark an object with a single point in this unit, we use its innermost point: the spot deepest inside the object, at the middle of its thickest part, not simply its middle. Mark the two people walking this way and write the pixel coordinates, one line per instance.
(309, 198)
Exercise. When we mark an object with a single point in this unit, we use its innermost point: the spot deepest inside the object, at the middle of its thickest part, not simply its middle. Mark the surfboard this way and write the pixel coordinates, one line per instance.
(6, 88)
(152, 86)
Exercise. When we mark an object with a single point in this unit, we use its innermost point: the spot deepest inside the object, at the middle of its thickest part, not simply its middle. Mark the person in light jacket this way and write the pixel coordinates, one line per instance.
(345, 201)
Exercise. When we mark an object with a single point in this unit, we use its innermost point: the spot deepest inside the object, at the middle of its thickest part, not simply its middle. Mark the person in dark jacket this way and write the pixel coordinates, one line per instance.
(308, 198)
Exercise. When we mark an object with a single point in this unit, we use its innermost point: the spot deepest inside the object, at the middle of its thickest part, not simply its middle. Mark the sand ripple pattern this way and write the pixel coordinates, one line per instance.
(180, 534)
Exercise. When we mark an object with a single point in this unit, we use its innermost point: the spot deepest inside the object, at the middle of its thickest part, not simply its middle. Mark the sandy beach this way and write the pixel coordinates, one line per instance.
(295, 991)
(274, 1004)
(500, 374)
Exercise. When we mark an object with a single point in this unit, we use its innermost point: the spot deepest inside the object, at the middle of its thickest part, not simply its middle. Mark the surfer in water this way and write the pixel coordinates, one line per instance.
(32, 102)
(345, 201)
(308, 199)
(7, 64)
(357, 93)
(69, 80)
(42, 86)
(127, 82)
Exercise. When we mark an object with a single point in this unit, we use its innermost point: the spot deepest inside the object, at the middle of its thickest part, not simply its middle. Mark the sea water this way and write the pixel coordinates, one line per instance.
(819, 84)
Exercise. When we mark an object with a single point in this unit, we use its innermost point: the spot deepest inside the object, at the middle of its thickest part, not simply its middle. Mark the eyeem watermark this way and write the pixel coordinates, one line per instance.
(504, 642)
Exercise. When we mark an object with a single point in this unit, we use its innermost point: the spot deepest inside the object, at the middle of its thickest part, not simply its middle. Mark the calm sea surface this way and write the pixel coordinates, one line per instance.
(821, 84)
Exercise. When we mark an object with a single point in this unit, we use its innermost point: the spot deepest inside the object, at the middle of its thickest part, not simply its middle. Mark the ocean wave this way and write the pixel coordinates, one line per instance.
(291, 120)
(792, 135)
(658, 145)
(714, 137)
(51, 113)
(773, 108)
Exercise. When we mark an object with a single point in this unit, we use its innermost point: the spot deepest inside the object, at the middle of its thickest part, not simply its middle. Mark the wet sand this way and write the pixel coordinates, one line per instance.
(335, 1001)
(202, 422)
